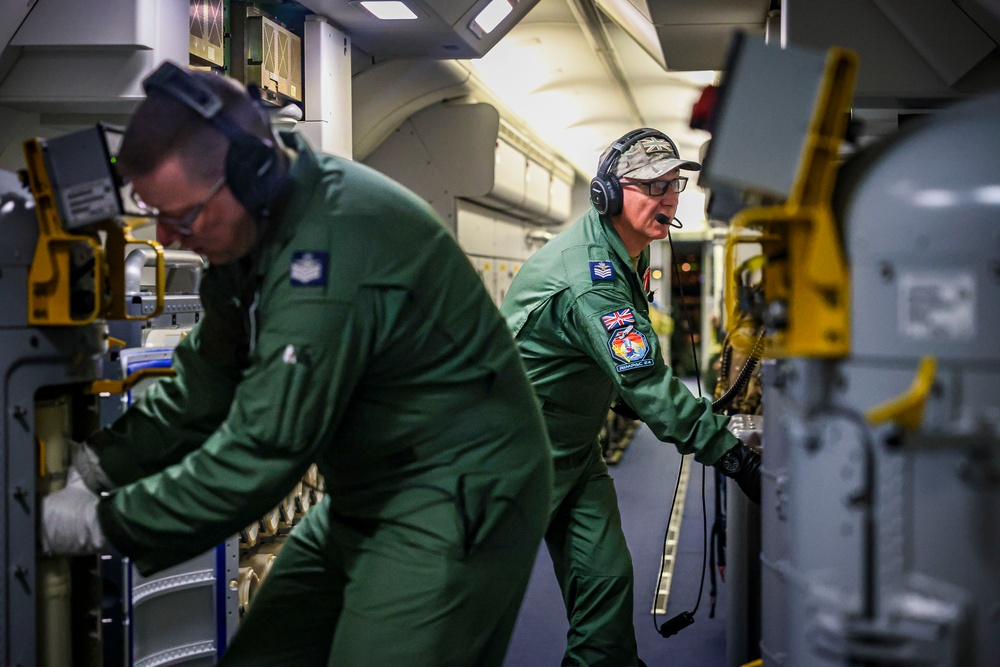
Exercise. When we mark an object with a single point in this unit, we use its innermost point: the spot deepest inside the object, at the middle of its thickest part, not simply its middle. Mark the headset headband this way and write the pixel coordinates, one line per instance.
(626, 142)
(252, 166)
(179, 84)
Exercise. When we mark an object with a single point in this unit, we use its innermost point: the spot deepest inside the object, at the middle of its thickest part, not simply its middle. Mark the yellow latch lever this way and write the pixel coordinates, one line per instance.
(907, 409)
(118, 237)
(124, 385)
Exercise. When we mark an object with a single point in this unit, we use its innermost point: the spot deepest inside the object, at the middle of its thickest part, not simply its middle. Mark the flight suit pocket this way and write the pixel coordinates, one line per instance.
(294, 425)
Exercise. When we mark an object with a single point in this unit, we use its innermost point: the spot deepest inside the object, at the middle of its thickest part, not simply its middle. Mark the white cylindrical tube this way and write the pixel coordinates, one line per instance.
(55, 623)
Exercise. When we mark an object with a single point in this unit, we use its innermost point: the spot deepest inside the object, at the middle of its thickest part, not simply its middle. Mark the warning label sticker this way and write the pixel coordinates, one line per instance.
(937, 305)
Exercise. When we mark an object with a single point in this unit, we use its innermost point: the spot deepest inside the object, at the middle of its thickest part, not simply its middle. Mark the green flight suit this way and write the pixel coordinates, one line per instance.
(358, 337)
(580, 317)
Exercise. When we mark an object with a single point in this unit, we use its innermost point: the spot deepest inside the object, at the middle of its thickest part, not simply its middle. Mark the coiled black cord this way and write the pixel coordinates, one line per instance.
(744, 376)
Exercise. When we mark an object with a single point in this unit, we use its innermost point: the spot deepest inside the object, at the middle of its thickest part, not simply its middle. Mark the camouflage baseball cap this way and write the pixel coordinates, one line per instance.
(650, 158)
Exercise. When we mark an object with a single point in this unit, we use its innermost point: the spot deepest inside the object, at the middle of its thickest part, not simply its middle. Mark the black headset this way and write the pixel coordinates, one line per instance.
(253, 171)
(605, 188)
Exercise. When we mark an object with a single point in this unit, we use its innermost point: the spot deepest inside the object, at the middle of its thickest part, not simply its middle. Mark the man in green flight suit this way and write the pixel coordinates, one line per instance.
(343, 326)
(579, 313)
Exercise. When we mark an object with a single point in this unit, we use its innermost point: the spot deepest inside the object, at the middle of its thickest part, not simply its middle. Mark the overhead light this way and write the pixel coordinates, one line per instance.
(388, 9)
(491, 16)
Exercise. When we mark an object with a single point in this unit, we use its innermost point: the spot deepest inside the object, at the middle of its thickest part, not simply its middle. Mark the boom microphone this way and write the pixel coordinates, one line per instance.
(671, 222)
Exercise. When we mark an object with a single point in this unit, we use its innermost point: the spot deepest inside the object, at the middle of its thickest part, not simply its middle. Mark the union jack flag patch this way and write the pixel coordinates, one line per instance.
(618, 318)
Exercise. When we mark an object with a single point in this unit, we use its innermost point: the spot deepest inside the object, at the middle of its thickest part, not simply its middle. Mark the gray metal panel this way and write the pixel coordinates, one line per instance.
(103, 72)
(942, 33)
(763, 119)
(20, 236)
(693, 48)
(695, 35)
(178, 611)
(82, 180)
(892, 68)
(812, 532)
(923, 237)
(880, 544)
(31, 359)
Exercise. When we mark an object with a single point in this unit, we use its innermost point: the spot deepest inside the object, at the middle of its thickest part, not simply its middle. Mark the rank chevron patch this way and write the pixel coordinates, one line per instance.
(602, 271)
(308, 268)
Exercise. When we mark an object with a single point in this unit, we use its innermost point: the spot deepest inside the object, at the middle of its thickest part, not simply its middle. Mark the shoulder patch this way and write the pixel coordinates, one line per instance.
(617, 318)
(309, 268)
(602, 270)
(629, 346)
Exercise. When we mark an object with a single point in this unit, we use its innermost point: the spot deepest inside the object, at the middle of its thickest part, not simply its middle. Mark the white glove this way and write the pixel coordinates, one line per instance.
(88, 465)
(69, 520)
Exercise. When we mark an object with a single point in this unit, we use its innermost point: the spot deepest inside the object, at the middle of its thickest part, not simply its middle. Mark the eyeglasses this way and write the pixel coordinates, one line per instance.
(184, 222)
(658, 188)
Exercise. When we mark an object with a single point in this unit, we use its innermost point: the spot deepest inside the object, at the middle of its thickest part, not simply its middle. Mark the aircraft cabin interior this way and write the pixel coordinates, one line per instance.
(825, 283)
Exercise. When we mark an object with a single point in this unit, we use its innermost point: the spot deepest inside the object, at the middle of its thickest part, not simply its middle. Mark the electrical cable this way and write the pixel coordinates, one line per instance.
(677, 623)
(744, 375)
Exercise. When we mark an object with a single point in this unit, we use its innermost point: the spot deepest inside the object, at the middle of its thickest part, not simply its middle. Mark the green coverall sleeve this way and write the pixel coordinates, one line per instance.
(308, 357)
(172, 417)
(670, 410)
(176, 415)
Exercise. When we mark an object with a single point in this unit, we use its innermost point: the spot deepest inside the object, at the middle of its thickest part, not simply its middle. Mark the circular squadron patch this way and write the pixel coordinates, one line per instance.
(629, 346)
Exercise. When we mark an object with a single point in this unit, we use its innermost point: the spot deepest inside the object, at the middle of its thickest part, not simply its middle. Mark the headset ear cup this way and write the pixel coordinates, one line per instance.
(252, 173)
(614, 188)
(605, 189)
(599, 195)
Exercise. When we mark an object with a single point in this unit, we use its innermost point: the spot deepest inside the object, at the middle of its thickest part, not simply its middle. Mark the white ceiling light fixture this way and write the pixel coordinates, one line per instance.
(491, 16)
(388, 10)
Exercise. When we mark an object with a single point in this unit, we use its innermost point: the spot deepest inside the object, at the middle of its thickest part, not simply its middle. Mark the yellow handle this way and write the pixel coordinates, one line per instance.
(122, 386)
(118, 236)
(907, 409)
(736, 236)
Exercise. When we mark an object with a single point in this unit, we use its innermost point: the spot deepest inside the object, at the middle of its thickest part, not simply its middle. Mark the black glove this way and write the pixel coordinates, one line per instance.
(743, 465)
(623, 409)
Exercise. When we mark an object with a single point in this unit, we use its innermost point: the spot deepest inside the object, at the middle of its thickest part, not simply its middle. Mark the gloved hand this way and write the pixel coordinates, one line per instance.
(69, 520)
(743, 465)
(88, 465)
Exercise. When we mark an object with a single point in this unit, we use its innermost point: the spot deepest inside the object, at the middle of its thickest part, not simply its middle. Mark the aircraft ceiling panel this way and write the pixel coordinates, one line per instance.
(548, 74)
(440, 30)
(675, 12)
(700, 47)
(696, 35)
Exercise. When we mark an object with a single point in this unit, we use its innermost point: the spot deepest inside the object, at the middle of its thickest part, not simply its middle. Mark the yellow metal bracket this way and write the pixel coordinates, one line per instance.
(806, 270)
(118, 236)
(907, 409)
(50, 280)
(121, 386)
(732, 272)
(57, 255)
